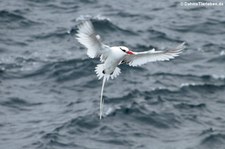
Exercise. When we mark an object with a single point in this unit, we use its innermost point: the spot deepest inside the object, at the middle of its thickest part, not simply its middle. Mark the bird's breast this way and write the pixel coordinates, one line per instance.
(110, 64)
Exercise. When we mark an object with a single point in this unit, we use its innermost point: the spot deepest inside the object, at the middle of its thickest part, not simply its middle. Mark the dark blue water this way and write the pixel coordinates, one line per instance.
(49, 93)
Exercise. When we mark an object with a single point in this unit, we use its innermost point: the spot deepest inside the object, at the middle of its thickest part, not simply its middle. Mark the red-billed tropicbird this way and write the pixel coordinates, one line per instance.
(111, 57)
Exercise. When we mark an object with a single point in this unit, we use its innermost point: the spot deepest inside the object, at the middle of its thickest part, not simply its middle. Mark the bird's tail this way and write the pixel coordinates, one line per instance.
(101, 99)
(99, 71)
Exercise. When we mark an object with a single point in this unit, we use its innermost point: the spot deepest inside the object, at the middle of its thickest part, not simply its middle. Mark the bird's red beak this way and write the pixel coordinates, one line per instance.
(130, 52)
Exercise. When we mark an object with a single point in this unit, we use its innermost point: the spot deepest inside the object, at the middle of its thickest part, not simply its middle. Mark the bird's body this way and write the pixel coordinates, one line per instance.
(111, 57)
(113, 60)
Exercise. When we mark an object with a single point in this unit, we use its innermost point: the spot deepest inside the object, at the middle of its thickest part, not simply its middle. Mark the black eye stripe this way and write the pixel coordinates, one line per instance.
(123, 50)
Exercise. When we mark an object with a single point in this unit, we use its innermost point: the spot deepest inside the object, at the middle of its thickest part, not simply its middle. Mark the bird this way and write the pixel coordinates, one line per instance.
(113, 56)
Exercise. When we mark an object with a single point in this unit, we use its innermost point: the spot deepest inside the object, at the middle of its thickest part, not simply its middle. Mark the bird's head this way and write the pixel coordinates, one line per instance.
(126, 50)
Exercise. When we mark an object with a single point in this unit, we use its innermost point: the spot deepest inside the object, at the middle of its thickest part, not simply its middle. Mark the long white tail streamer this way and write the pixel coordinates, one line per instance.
(101, 98)
(99, 71)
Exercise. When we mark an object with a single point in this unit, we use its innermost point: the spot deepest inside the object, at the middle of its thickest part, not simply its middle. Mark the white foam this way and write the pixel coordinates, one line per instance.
(88, 17)
(218, 76)
(222, 52)
(188, 84)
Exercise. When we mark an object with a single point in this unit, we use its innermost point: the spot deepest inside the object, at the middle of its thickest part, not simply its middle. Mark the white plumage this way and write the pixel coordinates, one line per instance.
(87, 37)
(111, 57)
(140, 58)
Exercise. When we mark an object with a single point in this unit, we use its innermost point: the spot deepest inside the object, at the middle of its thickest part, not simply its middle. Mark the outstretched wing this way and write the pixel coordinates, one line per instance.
(86, 36)
(140, 58)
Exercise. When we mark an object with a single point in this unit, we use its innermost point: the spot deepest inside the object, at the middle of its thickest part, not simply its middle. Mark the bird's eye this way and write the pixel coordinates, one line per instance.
(123, 50)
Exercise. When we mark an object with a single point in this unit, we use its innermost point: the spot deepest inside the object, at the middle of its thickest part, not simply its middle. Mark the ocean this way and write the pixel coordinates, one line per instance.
(49, 92)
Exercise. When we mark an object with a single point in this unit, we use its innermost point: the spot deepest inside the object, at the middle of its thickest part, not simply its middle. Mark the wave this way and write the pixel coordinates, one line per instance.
(82, 123)
(65, 6)
(102, 25)
(10, 65)
(203, 77)
(75, 128)
(77, 131)
(14, 20)
(60, 70)
(64, 70)
(159, 35)
(218, 59)
(186, 106)
(160, 94)
(107, 25)
(185, 89)
(192, 87)
(207, 27)
(7, 16)
(216, 140)
(59, 34)
(127, 107)
(18, 104)
(8, 41)
(216, 49)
